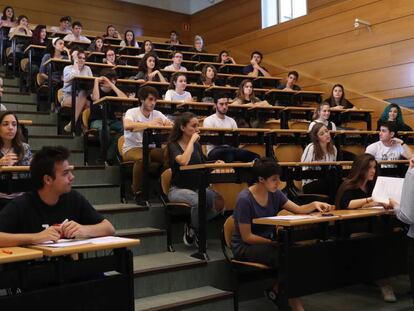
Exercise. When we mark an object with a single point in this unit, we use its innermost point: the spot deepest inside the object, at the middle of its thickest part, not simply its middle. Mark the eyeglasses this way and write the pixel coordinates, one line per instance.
(82, 58)
(110, 54)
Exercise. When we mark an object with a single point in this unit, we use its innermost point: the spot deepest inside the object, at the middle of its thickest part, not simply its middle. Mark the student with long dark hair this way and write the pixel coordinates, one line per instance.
(176, 90)
(110, 57)
(148, 69)
(337, 99)
(393, 113)
(13, 151)
(208, 75)
(146, 47)
(111, 32)
(257, 243)
(184, 149)
(225, 58)
(321, 115)
(55, 49)
(7, 18)
(129, 39)
(97, 45)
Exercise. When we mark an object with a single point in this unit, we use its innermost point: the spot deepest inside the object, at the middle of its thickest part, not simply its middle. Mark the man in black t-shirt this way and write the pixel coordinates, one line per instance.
(53, 210)
(254, 69)
(105, 85)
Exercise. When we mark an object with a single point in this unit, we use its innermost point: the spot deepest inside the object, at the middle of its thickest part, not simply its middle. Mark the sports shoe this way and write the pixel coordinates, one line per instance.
(68, 127)
(271, 295)
(189, 235)
(388, 293)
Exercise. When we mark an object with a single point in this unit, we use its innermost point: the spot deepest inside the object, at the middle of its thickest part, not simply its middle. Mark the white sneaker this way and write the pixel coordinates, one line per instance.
(388, 293)
(188, 236)
(68, 127)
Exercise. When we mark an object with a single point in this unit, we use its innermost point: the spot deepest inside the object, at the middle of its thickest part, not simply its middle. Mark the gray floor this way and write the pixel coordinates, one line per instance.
(360, 297)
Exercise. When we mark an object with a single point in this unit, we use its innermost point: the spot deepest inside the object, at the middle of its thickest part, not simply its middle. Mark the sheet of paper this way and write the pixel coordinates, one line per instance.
(291, 217)
(386, 188)
(68, 242)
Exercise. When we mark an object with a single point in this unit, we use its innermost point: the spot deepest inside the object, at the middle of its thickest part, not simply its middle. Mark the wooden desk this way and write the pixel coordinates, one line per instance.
(14, 39)
(30, 51)
(231, 68)
(18, 254)
(4, 33)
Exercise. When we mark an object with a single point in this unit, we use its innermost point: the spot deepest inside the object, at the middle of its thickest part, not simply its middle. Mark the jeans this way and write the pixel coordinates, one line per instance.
(230, 154)
(191, 197)
(113, 125)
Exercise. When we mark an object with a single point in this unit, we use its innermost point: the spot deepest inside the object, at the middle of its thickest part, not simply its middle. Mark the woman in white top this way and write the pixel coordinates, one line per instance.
(321, 115)
(176, 90)
(129, 39)
(321, 149)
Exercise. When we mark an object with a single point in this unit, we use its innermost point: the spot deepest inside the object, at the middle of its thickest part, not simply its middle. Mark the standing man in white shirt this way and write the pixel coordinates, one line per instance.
(136, 120)
(226, 153)
(177, 59)
(76, 34)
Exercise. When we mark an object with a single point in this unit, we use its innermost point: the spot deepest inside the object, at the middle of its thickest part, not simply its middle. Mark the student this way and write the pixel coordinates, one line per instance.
(321, 115)
(55, 49)
(176, 90)
(198, 45)
(52, 201)
(405, 213)
(321, 149)
(111, 32)
(173, 38)
(110, 57)
(337, 99)
(177, 59)
(389, 147)
(184, 149)
(245, 94)
(208, 75)
(13, 151)
(138, 119)
(76, 34)
(254, 69)
(146, 47)
(257, 243)
(225, 153)
(290, 85)
(39, 35)
(225, 58)
(148, 69)
(7, 18)
(22, 27)
(97, 45)
(129, 39)
(105, 85)
(77, 69)
(393, 113)
(64, 26)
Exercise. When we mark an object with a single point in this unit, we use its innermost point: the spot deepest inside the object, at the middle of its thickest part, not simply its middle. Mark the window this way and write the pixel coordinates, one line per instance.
(279, 11)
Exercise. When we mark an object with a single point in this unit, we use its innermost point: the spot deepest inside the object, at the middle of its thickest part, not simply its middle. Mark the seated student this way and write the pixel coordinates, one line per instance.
(225, 153)
(177, 59)
(13, 151)
(7, 18)
(292, 78)
(389, 147)
(147, 47)
(321, 149)
(77, 69)
(254, 69)
(173, 38)
(39, 35)
(148, 69)
(52, 201)
(110, 57)
(321, 115)
(257, 243)
(55, 49)
(97, 45)
(198, 45)
(129, 39)
(225, 58)
(64, 26)
(76, 34)
(105, 85)
(135, 121)
(337, 99)
(176, 90)
(22, 27)
(393, 113)
(111, 32)
(208, 75)
(184, 149)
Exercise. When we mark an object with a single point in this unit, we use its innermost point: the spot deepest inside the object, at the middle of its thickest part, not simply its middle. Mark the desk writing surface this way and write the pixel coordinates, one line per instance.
(313, 219)
(57, 60)
(357, 213)
(215, 165)
(18, 254)
(84, 248)
(34, 47)
(196, 104)
(115, 99)
(25, 122)
(4, 169)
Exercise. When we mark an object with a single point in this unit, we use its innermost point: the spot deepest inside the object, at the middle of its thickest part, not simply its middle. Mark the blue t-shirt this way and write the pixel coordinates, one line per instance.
(247, 209)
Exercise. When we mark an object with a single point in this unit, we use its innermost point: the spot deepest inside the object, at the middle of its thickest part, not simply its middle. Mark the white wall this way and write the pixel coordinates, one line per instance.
(180, 6)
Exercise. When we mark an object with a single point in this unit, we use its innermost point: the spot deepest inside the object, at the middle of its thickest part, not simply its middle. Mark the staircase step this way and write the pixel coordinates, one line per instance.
(153, 240)
(20, 106)
(19, 97)
(38, 117)
(75, 158)
(96, 174)
(99, 193)
(10, 81)
(196, 299)
(42, 129)
(70, 142)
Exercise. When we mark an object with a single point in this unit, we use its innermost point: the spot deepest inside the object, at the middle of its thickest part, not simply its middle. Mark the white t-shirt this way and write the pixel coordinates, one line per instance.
(215, 122)
(382, 152)
(326, 123)
(309, 156)
(171, 68)
(173, 96)
(71, 37)
(134, 139)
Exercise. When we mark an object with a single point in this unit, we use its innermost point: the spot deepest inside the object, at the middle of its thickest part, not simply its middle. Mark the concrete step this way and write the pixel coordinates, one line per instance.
(166, 272)
(10, 82)
(42, 129)
(204, 298)
(153, 240)
(70, 142)
(38, 117)
(17, 97)
(99, 193)
(75, 158)
(20, 106)
(96, 175)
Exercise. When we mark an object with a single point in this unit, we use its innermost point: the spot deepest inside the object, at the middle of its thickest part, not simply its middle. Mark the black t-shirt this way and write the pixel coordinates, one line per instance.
(27, 213)
(96, 110)
(249, 68)
(185, 179)
(353, 194)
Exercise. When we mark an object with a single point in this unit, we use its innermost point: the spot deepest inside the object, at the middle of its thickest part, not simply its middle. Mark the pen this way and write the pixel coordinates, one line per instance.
(7, 251)
(65, 221)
